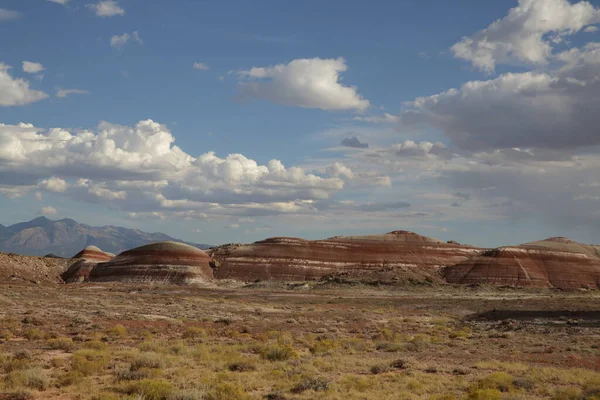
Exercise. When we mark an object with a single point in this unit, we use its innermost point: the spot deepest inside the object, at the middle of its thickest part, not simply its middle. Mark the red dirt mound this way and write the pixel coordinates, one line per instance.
(293, 259)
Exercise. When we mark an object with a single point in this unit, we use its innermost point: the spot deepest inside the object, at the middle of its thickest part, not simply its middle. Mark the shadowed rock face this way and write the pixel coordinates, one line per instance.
(293, 259)
(163, 262)
(554, 262)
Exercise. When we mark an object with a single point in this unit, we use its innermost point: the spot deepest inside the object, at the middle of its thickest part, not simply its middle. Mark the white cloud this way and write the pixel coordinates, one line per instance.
(107, 8)
(527, 34)
(62, 93)
(16, 92)
(138, 169)
(8, 15)
(63, 2)
(410, 148)
(553, 110)
(338, 169)
(56, 185)
(118, 41)
(591, 28)
(48, 210)
(378, 119)
(307, 83)
(201, 66)
(32, 67)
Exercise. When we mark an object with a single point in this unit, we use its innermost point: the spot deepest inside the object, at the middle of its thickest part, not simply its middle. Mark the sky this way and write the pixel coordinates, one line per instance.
(231, 121)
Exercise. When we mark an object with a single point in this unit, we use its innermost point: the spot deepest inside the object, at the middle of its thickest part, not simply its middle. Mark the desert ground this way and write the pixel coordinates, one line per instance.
(297, 341)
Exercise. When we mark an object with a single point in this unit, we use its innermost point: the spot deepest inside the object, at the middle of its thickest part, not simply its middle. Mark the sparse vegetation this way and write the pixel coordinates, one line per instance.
(298, 348)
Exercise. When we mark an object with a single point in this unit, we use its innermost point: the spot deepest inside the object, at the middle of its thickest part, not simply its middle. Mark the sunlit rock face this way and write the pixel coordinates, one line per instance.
(162, 262)
(94, 254)
(555, 262)
(293, 259)
(85, 262)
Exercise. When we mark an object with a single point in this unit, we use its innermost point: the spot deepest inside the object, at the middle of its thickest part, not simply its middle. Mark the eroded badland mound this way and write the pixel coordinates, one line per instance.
(394, 257)
(554, 262)
(85, 262)
(293, 259)
(163, 262)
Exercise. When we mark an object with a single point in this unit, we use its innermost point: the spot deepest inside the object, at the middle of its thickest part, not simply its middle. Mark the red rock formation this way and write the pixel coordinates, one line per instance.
(163, 262)
(86, 261)
(293, 259)
(554, 262)
(93, 254)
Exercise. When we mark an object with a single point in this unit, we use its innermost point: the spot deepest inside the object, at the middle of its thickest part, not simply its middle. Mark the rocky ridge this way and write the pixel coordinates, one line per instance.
(294, 259)
(554, 262)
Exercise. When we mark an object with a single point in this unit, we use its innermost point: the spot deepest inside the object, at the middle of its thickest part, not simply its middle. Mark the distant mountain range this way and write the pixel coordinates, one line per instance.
(67, 237)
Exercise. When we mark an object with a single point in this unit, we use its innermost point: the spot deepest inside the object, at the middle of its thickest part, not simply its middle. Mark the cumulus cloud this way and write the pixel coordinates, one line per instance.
(378, 119)
(354, 142)
(16, 92)
(107, 8)
(62, 93)
(340, 170)
(201, 66)
(56, 185)
(527, 34)
(552, 110)
(591, 28)
(118, 41)
(8, 15)
(410, 148)
(139, 169)
(32, 67)
(63, 2)
(307, 83)
(48, 210)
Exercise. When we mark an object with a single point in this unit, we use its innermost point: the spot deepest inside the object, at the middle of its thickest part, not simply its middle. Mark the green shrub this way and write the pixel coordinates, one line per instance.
(34, 334)
(227, 391)
(241, 366)
(278, 353)
(498, 380)
(19, 395)
(95, 345)
(62, 343)
(117, 331)
(147, 360)
(89, 362)
(151, 389)
(568, 394)
(380, 369)
(195, 332)
(34, 378)
(70, 378)
(485, 394)
(189, 394)
(315, 384)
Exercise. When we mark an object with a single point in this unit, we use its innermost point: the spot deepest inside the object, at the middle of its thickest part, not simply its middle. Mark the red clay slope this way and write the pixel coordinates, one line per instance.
(554, 262)
(85, 262)
(94, 254)
(292, 259)
(163, 262)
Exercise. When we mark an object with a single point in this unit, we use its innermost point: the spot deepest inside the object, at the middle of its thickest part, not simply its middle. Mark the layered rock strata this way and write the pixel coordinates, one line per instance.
(163, 262)
(555, 262)
(293, 259)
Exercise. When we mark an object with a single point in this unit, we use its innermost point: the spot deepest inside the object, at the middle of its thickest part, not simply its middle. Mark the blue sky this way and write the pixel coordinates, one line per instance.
(509, 156)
